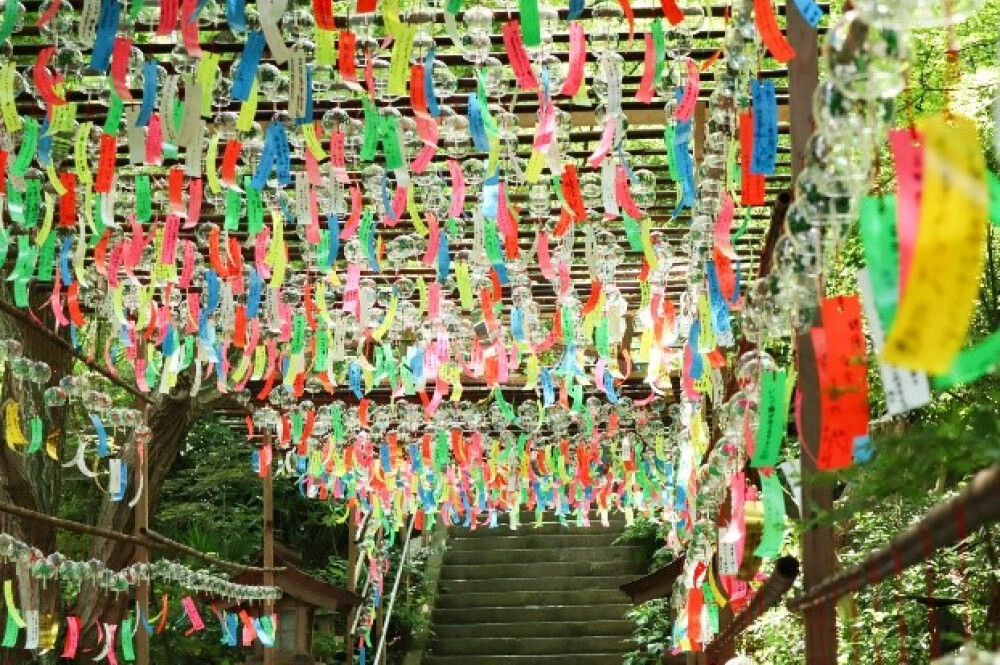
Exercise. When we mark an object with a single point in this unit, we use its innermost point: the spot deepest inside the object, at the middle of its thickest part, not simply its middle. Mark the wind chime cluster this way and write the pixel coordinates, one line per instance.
(120, 433)
(42, 629)
(913, 255)
(473, 467)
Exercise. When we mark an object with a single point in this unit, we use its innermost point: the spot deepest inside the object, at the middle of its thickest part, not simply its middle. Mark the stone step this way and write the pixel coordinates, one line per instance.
(516, 646)
(573, 659)
(487, 571)
(465, 616)
(548, 527)
(565, 629)
(535, 584)
(564, 554)
(504, 598)
(529, 540)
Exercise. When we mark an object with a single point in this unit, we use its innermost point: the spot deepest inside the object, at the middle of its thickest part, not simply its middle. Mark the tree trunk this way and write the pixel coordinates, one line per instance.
(33, 481)
(169, 418)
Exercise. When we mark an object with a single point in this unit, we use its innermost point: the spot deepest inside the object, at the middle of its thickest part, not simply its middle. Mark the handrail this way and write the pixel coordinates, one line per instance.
(392, 596)
(786, 570)
(946, 524)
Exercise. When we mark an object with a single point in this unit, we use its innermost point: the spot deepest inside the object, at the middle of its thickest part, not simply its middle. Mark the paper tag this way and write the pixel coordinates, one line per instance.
(904, 389)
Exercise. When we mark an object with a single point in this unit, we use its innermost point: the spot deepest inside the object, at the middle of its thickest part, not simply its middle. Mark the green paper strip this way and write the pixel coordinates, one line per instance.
(255, 209)
(740, 232)
(881, 248)
(773, 419)
(128, 650)
(971, 364)
(531, 29)
(993, 191)
(322, 347)
(370, 141)
(11, 12)
(47, 259)
(505, 408)
(660, 48)
(632, 232)
(10, 633)
(29, 145)
(774, 517)
(32, 202)
(668, 139)
(389, 135)
(114, 119)
(35, 443)
(233, 209)
(143, 198)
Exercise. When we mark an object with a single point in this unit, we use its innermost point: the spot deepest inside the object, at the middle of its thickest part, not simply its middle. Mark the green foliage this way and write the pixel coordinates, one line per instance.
(652, 632)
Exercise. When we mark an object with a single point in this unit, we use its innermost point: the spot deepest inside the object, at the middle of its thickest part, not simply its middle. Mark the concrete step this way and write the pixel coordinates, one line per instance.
(516, 646)
(487, 571)
(573, 659)
(465, 616)
(535, 584)
(566, 629)
(528, 540)
(504, 598)
(548, 527)
(563, 554)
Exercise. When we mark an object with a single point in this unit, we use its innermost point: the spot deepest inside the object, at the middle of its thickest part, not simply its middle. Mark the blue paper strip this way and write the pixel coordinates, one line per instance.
(246, 71)
(765, 127)
(150, 72)
(429, 94)
(107, 29)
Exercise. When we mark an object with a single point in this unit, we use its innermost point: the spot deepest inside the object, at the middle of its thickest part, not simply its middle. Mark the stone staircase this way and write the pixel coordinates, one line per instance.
(546, 595)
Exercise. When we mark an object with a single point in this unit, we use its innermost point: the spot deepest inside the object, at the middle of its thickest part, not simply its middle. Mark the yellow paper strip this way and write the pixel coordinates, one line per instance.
(938, 303)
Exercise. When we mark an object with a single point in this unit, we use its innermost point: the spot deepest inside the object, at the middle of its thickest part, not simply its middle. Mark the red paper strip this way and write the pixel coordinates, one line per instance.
(645, 92)
(120, 55)
(629, 16)
(572, 195)
(770, 32)
(577, 60)
(751, 184)
(673, 13)
(106, 164)
(346, 56)
(67, 202)
(518, 56)
(323, 14)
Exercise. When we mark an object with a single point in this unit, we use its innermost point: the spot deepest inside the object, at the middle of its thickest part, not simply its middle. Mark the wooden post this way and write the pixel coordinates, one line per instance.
(141, 519)
(352, 585)
(803, 78)
(269, 545)
(819, 559)
(818, 553)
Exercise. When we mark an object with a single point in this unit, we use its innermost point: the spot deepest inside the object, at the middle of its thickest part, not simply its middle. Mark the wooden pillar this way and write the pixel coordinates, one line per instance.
(141, 520)
(269, 545)
(352, 585)
(819, 559)
(818, 554)
(803, 78)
